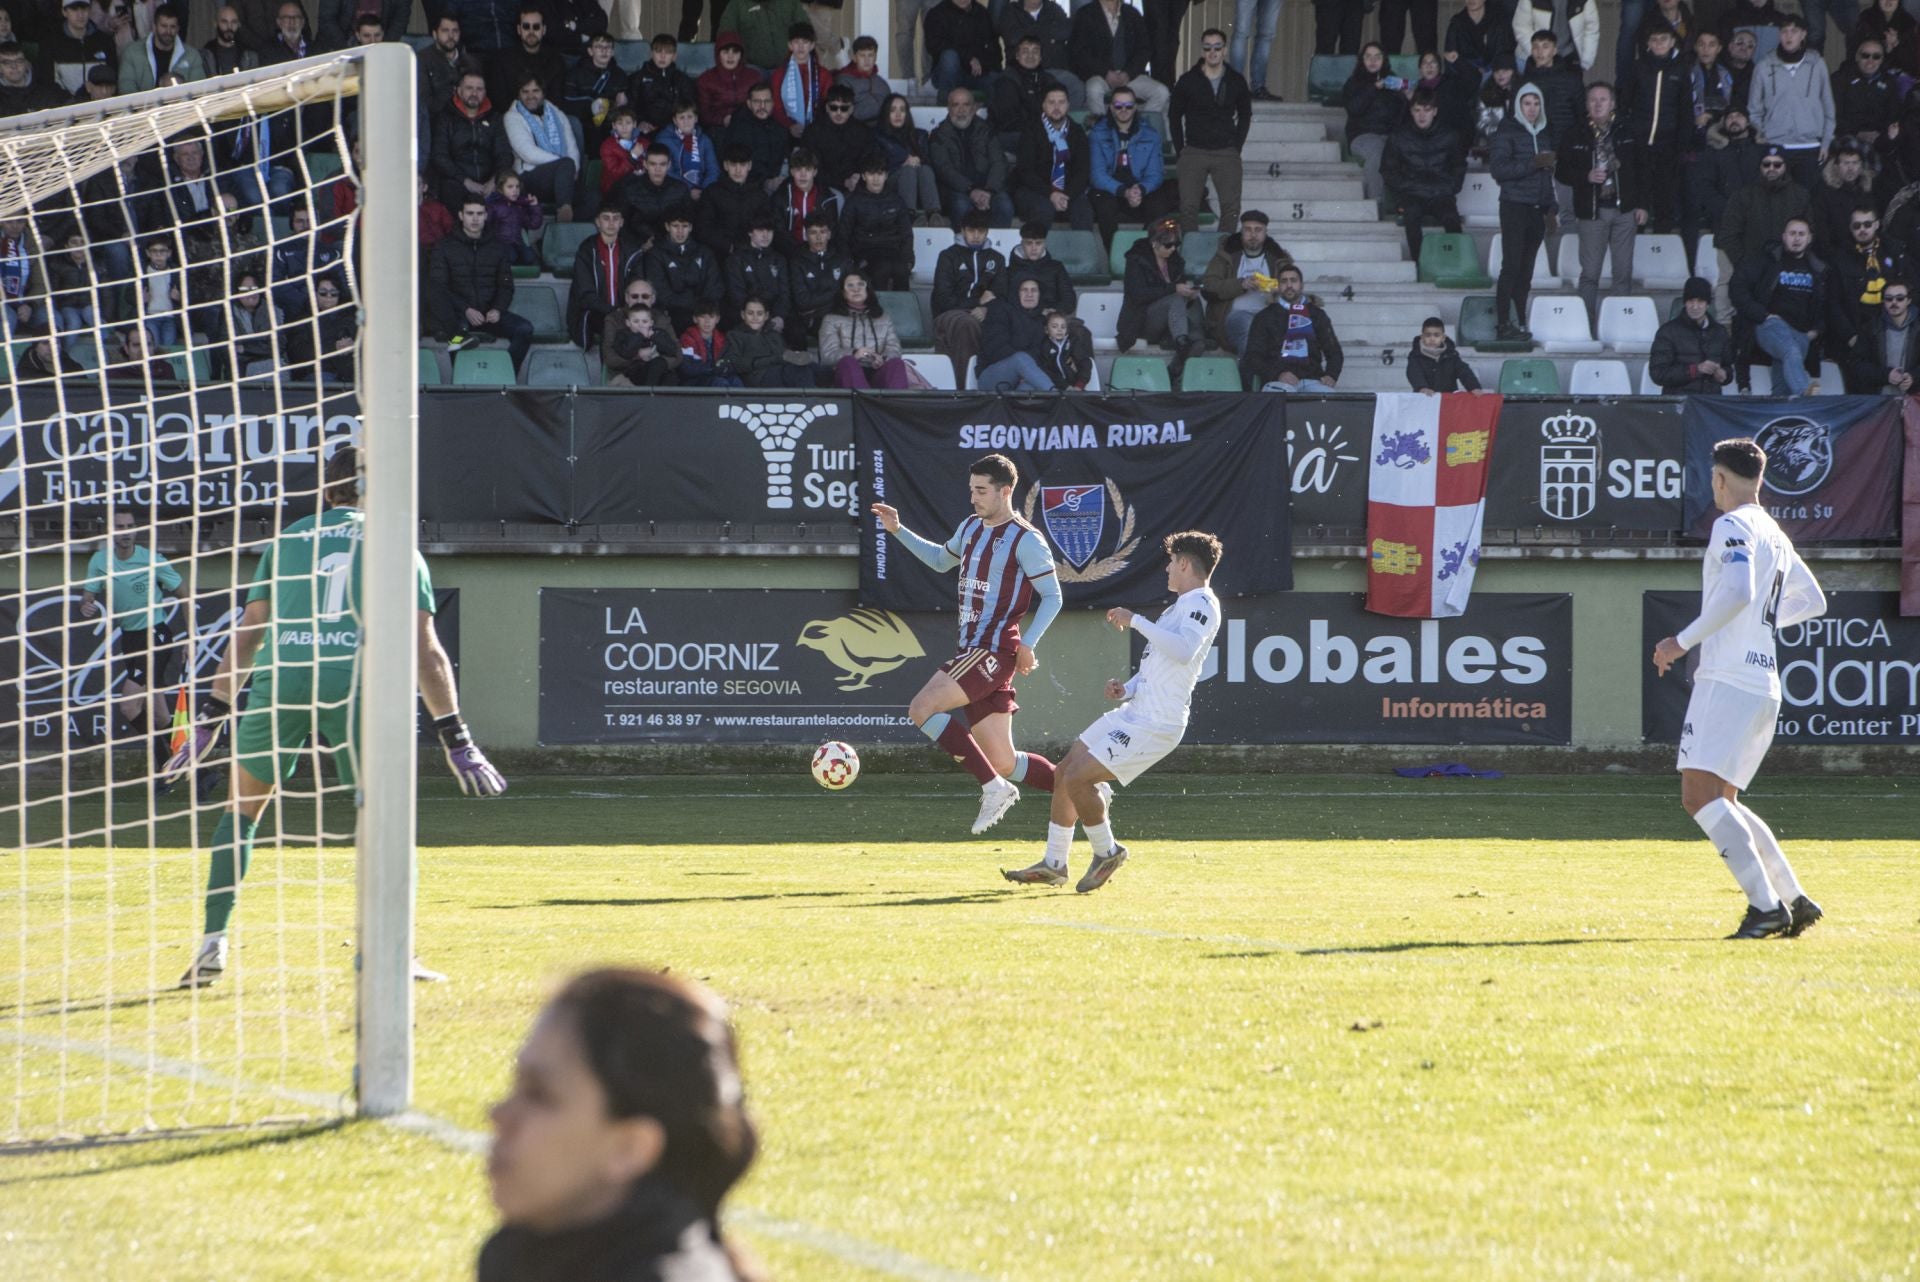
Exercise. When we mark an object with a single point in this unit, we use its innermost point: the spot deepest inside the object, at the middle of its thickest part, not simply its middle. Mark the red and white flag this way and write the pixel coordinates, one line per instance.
(1426, 497)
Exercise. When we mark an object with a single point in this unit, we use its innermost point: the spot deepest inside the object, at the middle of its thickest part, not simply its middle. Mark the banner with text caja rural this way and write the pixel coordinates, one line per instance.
(1587, 465)
(1850, 676)
(1316, 667)
(1833, 463)
(1103, 478)
(632, 665)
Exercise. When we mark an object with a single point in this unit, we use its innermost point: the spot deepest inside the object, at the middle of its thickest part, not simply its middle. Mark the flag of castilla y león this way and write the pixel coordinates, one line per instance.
(1426, 497)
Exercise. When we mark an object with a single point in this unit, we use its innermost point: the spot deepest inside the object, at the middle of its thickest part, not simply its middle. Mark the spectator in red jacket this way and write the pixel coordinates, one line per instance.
(800, 83)
(723, 87)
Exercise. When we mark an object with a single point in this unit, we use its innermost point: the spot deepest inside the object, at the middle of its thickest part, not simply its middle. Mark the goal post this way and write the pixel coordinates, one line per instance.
(205, 289)
(390, 416)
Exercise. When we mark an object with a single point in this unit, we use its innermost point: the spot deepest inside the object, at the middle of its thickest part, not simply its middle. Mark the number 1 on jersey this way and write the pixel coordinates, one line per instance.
(337, 569)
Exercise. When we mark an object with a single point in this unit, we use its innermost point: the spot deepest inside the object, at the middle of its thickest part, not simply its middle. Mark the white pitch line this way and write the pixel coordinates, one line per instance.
(1403, 794)
(874, 1256)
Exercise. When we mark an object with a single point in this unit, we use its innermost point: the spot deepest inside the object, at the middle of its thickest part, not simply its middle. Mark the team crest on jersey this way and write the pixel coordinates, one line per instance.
(1799, 454)
(1076, 523)
(1075, 516)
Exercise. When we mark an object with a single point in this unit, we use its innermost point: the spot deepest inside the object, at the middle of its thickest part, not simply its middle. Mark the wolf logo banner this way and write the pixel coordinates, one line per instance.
(1074, 516)
(1103, 479)
(1426, 499)
(1833, 463)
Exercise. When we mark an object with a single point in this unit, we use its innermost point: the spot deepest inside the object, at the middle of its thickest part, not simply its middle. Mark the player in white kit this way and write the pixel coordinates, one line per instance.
(1753, 583)
(1121, 745)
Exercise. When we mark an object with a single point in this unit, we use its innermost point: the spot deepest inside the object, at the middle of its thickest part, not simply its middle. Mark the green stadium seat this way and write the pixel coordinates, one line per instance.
(1449, 260)
(1477, 328)
(1327, 77)
(430, 375)
(1123, 241)
(909, 321)
(1211, 374)
(179, 358)
(324, 166)
(542, 310)
(590, 175)
(1524, 376)
(558, 367)
(1139, 374)
(527, 271)
(559, 244)
(1082, 254)
(1404, 65)
(1198, 248)
(482, 367)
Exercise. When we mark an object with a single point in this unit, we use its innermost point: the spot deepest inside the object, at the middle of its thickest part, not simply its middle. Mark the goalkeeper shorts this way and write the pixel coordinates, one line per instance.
(285, 710)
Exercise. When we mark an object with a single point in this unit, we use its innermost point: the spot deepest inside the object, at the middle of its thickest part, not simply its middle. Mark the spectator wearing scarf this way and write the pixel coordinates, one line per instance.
(545, 152)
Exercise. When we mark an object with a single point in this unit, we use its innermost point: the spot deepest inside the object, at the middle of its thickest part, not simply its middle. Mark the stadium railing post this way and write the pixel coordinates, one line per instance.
(389, 411)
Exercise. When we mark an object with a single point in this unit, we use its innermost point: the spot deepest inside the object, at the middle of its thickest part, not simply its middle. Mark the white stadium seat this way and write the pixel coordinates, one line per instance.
(1600, 378)
(1705, 262)
(1660, 262)
(1100, 310)
(1004, 239)
(1559, 324)
(1647, 386)
(1760, 381)
(1569, 262)
(927, 244)
(1479, 201)
(1543, 277)
(1627, 325)
(934, 367)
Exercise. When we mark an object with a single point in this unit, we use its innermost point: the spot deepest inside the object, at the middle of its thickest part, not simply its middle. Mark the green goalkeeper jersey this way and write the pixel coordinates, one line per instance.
(310, 579)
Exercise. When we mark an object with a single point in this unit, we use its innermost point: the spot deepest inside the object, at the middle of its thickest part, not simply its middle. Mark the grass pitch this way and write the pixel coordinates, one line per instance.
(1317, 1028)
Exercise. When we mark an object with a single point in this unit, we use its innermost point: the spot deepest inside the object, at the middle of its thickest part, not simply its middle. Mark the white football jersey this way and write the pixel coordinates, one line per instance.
(1177, 646)
(1752, 582)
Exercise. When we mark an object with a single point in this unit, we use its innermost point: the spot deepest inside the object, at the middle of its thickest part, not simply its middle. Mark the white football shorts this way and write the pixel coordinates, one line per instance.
(1127, 748)
(1727, 731)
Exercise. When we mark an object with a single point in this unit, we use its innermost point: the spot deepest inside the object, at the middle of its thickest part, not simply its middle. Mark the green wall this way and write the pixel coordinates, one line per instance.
(500, 627)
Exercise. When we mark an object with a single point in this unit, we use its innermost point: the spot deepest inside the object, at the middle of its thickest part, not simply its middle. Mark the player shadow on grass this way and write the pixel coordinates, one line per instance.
(1417, 945)
(236, 1139)
(45, 1006)
(669, 900)
(996, 896)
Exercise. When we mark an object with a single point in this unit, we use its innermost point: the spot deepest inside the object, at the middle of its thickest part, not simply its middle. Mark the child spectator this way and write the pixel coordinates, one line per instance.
(436, 220)
(862, 76)
(160, 293)
(1434, 364)
(658, 88)
(512, 212)
(814, 277)
(877, 228)
(690, 150)
(802, 197)
(759, 270)
(840, 141)
(594, 87)
(723, 87)
(759, 353)
(730, 205)
(1069, 370)
(635, 356)
(799, 83)
(682, 270)
(703, 351)
(622, 150)
(70, 278)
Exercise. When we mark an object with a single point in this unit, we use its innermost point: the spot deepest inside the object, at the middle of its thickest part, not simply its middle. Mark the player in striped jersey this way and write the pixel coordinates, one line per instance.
(967, 706)
(1752, 584)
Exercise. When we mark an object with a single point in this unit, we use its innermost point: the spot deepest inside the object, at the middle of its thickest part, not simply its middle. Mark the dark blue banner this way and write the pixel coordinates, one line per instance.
(1104, 478)
(1833, 463)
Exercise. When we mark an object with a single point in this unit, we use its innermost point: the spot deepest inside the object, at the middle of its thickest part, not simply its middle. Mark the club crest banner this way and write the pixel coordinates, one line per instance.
(1833, 463)
(1103, 478)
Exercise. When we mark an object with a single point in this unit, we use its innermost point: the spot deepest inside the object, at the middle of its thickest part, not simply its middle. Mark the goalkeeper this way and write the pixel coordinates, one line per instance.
(306, 594)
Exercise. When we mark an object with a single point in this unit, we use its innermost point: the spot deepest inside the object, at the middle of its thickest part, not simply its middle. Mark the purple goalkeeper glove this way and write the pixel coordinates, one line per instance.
(204, 737)
(470, 766)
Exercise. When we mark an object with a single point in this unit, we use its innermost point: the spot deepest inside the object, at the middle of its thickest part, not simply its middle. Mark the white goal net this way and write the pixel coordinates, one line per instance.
(188, 335)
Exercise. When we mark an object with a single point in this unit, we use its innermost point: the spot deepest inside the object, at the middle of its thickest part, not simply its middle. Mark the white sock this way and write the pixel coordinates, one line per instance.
(1059, 842)
(1101, 835)
(1772, 858)
(1728, 832)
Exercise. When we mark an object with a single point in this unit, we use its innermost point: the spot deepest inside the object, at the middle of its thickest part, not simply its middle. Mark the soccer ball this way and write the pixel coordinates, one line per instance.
(835, 765)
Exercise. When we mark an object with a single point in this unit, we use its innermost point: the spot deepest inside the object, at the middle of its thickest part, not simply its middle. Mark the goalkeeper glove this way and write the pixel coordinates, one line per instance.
(470, 766)
(201, 740)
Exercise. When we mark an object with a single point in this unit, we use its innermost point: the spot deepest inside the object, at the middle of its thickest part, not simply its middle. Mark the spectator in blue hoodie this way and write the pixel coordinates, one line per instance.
(1128, 175)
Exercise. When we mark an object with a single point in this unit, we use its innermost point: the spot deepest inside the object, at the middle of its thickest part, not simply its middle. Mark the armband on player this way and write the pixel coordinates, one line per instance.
(476, 775)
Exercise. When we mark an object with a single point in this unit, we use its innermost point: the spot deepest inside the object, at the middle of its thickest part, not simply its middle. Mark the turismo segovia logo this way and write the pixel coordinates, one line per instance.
(779, 428)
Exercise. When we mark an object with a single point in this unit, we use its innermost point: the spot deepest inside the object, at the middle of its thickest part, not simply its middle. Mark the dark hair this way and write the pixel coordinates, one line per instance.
(658, 149)
(763, 222)
(665, 40)
(530, 80)
(1213, 31)
(369, 20)
(800, 31)
(865, 42)
(628, 112)
(755, 298)
(1891, 281)
(1546, 35)
(1360, 59)
(976, 220)
(1740, 456)
(1602, 84)
(760, 86)
(1864, 205)
(1426, 98)
(839, 93)
(818, 218)
(706, 307)
(661, 1048)
(1035, 230)
(1197, 546)
(170, 11)
(342, 473)
(873, 307)
(802, 158)
(684, 108)
(1802, 219)
(1284, 268)
(1434, 322)
(997, 468)
(1029, 40)
(737, 153)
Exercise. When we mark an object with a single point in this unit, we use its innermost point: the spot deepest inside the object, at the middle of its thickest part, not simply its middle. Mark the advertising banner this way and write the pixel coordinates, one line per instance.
(1103, 478)
(631, 665)
(1327, 459)
(1316, 667)
(57, 662)
(1588, 465)
(496, 454)
(775, 456)
(220, 448)
(1850, 676)
(1833, 463)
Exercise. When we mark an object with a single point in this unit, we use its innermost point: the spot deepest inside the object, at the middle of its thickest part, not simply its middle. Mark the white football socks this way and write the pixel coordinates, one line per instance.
(1728, 831)
(1059, 842)
(1101, 835)
(1772, 858)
